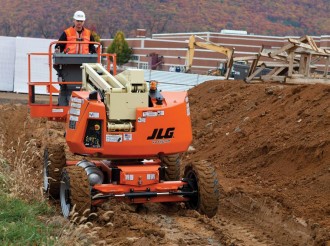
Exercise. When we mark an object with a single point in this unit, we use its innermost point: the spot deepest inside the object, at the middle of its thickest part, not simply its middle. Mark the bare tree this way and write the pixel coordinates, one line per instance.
(157, 22)
(5, 27)
(44, 24)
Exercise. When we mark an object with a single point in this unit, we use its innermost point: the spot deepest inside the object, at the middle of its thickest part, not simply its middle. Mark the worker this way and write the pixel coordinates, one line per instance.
(75, 33)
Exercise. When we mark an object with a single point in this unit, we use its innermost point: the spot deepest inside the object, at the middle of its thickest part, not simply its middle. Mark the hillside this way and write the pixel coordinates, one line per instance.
(47, 19)
(269, 144)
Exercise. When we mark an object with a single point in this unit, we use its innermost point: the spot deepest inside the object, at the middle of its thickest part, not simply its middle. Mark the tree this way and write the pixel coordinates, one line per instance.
(96, 36)
(5, 27)
(119, 46)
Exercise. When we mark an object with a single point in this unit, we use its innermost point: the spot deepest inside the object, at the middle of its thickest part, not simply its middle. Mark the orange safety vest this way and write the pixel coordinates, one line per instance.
(73, 35)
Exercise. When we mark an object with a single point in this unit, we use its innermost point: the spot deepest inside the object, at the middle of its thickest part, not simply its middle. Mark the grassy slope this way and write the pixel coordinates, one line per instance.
(20, 222)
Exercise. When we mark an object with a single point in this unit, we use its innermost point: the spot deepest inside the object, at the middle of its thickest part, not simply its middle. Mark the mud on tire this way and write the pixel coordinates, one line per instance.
(54, 162)
(172, 162)
(75, 191)
(203, 178)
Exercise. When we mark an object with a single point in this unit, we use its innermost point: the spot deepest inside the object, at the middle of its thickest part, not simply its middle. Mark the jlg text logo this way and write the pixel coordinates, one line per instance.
(158, 133)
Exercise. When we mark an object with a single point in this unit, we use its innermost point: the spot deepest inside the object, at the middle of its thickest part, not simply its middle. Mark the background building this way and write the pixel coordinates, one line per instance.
(167, 52)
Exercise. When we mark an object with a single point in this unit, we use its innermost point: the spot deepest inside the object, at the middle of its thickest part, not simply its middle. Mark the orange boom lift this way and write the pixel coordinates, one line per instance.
(130, 135)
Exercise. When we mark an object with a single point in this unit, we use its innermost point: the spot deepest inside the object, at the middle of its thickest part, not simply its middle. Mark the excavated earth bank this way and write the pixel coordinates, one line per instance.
(270, 145)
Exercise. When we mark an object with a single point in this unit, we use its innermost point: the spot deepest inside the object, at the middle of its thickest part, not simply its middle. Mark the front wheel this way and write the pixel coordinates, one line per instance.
(201, 177)
(54, 162)
(75, 192)
(172, 164)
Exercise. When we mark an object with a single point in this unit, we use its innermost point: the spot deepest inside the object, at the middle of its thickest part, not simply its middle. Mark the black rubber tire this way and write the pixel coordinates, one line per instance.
(203, 178)
(75, 191)
(172, 164)
(54, 162)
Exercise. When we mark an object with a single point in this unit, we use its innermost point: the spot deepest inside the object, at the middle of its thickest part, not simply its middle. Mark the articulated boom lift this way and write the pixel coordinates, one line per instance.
(131, 137)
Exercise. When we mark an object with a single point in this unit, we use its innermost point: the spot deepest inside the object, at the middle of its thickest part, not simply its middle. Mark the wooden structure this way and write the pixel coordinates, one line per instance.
(293, 63)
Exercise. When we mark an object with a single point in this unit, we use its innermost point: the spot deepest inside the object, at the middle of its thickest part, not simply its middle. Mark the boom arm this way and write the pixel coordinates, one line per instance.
(210, 46)
(122, 93)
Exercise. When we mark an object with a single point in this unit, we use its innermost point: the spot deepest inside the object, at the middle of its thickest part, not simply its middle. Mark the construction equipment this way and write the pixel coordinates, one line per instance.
(229, 53)
(131, 137)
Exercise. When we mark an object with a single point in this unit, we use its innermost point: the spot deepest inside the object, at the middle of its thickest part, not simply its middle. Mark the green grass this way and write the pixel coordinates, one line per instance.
(4, 168)
(20, 223)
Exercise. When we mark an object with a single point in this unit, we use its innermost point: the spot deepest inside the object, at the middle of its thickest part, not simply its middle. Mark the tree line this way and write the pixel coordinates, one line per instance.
(48, 19)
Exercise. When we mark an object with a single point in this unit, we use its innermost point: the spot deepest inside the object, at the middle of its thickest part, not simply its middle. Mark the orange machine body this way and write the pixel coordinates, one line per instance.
(159, 129)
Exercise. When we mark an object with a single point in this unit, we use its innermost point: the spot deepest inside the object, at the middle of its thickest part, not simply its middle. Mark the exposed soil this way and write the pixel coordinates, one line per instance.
(270, 145)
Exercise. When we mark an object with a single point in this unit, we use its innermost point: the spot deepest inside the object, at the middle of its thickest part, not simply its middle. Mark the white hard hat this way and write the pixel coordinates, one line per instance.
(79, 15)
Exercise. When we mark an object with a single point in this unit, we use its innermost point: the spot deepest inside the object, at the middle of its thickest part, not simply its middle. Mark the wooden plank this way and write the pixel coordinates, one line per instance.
(297, 75)
(255, 81)
(308, 69)
(245, 58)
(271, 78)
(302, 39)
(303, 45)
(278, 70)
(278, 64)
(290, 57)
(302, 64)
(285, 58)
(307, 81)
(281, 50)
(313, 44)
(309, 51)
(273, 71)
(310, 48)
(326, 68)
(249, 78)
(253, 65)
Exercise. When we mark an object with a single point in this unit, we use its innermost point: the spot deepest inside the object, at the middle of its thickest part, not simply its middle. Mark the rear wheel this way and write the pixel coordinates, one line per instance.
(75, 192)
(172, 164)
(201, 177)
(54, 162)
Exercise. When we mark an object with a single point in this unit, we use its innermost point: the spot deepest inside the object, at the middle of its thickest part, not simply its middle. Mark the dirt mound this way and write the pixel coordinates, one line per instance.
(270, 144)
(267, 140)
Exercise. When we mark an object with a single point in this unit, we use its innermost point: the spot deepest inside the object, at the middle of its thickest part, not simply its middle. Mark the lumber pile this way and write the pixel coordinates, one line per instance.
(294, 63)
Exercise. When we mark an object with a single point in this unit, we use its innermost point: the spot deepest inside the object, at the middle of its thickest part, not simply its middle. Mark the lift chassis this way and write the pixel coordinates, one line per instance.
(131, 137)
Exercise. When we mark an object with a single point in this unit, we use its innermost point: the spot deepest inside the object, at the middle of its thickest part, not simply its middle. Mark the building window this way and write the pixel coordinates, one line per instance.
(143, 65)
(134, 58)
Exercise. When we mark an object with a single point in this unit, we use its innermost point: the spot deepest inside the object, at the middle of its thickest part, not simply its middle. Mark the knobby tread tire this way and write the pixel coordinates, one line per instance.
(80, 193)
(207, 185)
(56, 162)
(172, 162)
